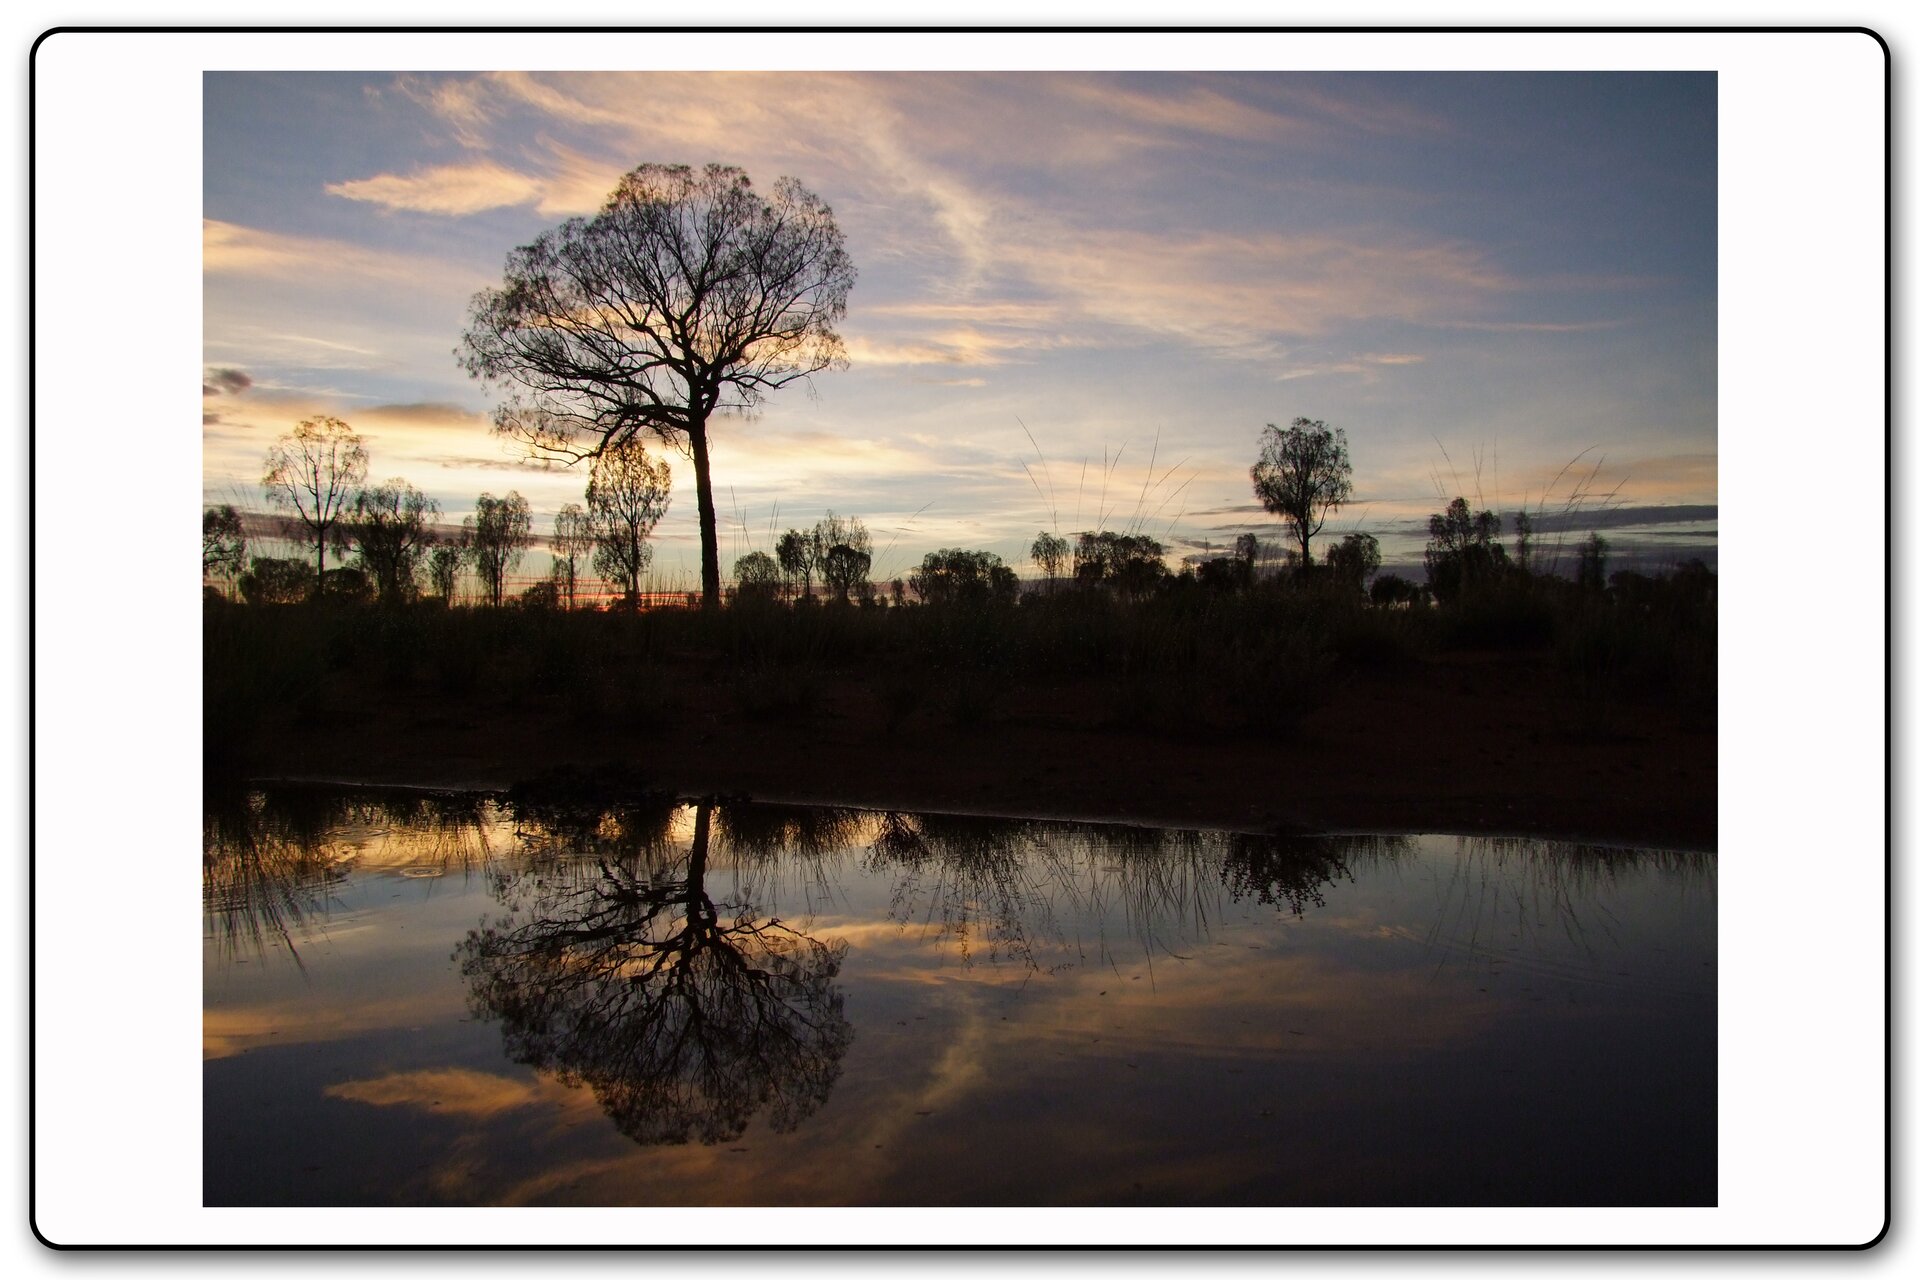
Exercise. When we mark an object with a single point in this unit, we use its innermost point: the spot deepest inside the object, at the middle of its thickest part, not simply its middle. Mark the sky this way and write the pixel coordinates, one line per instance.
(1081, 297)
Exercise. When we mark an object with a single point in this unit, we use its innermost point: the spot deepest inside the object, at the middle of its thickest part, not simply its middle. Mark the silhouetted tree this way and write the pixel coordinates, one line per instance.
(688, 294)
(1354, 559)
(572, 539)
(271, 580)
(443, 567)
(346, 585)
(1051, 552)
(1132, 563)
(313, 471)
(390, 527)
(1303, 473)
(1463, 550)
(223, 544)
(685, 1015)
(1523, 541)
(1391, 588)
(757, 576)
(795, 551)
(952, 576)
(626, 497)
(1590, 565)
(1246, 549)
(845, 553)
(497, 535)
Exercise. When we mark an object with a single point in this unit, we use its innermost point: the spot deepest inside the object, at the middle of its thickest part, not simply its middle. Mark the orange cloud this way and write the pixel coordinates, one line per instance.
(454, 190)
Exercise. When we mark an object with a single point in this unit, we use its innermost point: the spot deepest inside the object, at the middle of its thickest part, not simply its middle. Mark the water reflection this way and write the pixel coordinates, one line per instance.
(686, 1015)
(923, 1008)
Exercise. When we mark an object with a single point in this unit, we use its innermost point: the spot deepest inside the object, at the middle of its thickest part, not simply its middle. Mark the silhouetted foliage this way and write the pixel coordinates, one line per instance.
(795, 551)
(223, 544)
(686, 1015)
(758, 576)
(443, 567)
(1590, 565)
(390, 527)
(544, 594)
(271, 580)
(1523, 541)
(1463, 551)
(688, 294)
(1391, 588)
(844, 552)
(573, 540)
(626, 498)
(955, 576)
(497, 535)
(1353, 560)
(313, 471)
(347, 585)
(1052, 553)
(1303, 473)
(1132, 564)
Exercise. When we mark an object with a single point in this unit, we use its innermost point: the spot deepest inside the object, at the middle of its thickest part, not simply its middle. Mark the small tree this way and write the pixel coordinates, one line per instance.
(497, 534)
(688, 294)
(1303, 473)
(1246, 549)
(844, 551)
(1353, 560)
(796, 552)
(1051, 552)
(758, 577)
(391, 529)
(274, 581)
(954, 576)
(443, 568)
(1590, 568)
(1130, 562)
(626, 497)
(1463, 550)
(572, 540)
(313, 471)
(223, 544)
(1523, 541)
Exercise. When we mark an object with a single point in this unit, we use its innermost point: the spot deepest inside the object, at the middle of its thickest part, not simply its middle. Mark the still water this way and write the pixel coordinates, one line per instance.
(453, 999)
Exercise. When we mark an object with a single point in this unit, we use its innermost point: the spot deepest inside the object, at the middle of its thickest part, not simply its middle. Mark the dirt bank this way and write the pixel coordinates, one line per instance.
(1468, 743)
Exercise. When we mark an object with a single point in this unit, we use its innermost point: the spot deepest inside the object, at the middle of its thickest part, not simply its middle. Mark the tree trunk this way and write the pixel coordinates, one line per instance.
(320, 578)
(709, 539)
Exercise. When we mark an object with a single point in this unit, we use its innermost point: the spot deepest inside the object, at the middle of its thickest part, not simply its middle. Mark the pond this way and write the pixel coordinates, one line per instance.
(468, 999)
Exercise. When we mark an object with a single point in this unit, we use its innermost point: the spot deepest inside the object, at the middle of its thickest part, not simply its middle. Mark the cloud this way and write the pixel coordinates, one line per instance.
(447, 1091)
(229, 249)
(454, 190)
(224, 382)
(1198, 110)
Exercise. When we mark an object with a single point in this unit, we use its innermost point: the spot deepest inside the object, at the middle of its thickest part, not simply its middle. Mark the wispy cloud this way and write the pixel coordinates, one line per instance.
(452, 189)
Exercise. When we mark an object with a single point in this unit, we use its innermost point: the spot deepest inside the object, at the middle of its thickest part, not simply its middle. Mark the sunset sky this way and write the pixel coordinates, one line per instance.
(1480, 278)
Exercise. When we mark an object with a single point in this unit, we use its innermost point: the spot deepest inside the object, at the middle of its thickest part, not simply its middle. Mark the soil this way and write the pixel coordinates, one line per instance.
(1465, 744)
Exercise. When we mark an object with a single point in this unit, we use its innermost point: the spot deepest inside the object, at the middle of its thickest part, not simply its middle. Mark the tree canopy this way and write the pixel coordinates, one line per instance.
(689, 294)
(313, 471)
(1303, 473)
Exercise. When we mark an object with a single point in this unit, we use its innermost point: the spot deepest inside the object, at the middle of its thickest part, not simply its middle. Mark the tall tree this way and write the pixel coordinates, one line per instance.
(391, 529)
(443, 567)
(497, 534)
(1303, 473)
(844, 550)
(313, 471)
(626, 497)
(795, 552)
(689, 294)
(1051, 552)
(572, 539)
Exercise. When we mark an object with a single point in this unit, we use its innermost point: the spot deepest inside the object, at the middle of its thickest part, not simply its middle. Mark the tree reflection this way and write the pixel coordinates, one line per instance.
(686, 1016)
(1292, 871)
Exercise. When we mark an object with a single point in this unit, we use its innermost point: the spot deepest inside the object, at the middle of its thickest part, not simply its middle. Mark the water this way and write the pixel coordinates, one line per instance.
(425, 1000)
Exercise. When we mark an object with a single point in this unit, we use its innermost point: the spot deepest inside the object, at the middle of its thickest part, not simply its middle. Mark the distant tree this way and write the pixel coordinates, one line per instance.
(954, 576)
(1051, 552)
(497, 535)
(443, 568)
(795, 551)
(1246, 549)
(1391, 589)
(845, 552)
(1523, 541)
(688, 294)
(390, 527)
(1354, 559)
(626, 497)
(1303, 473)
(1590, 566)
(1463, 550)
(223, 544)
(572, 541)
(544, 594)
(1131, 563)
(347, 585)
(757, 576)
(270, 580)
(313, 471)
